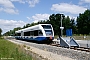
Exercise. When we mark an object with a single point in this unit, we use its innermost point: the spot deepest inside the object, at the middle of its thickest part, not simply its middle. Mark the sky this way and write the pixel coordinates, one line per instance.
(17, 13)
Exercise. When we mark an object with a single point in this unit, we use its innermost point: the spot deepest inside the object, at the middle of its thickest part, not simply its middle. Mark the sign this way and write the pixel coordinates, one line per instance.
(69, 32)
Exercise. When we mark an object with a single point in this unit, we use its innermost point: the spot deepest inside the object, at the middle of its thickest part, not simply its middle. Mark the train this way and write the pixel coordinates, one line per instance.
(39, 33)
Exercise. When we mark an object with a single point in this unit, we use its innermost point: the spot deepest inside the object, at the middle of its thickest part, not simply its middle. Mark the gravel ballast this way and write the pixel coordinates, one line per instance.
(55, 53)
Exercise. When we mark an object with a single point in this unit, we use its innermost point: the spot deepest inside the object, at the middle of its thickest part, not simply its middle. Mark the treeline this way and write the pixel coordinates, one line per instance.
(79, 26)
(0, 32)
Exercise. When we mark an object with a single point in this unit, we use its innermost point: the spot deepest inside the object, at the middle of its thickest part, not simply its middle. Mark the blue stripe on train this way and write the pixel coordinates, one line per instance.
(31, 38)
(37, 38)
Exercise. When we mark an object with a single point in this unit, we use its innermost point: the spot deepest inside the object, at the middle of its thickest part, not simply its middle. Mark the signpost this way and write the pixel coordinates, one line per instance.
(62, 16)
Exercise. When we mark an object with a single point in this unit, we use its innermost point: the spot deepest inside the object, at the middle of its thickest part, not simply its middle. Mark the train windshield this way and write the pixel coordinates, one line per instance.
(48, 32)
(46, 26)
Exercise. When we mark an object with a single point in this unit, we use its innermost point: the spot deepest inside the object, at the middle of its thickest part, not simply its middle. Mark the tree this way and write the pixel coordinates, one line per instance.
(73, 26)
(55, 20)
(83, 22)
(66, 24)
(12, 32)
(0, 32)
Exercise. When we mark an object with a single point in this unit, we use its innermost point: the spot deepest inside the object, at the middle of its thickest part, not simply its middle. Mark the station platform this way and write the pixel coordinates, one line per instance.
(82, 43)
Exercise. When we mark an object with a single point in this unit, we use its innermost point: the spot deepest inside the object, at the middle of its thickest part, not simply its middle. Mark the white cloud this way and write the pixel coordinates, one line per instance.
(7, 25)
(6, 3)
(1, 9)
(8, 7)
(68, 8)
(85, 1)
(8, 10)
(32, 3)
(20, 1)
(39, 17)
(28, 18)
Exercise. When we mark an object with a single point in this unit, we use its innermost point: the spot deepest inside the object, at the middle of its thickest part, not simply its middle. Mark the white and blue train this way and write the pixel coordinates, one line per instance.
(40, 32)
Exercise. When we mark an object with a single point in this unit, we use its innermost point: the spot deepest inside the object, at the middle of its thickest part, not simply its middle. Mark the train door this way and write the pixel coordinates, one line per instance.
(22, 33)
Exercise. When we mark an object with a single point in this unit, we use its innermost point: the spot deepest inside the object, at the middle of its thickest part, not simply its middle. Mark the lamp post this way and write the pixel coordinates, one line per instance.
(61, 30)
(62, 16)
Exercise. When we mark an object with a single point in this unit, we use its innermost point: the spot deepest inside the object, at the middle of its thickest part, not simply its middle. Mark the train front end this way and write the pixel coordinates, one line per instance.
(48, 32)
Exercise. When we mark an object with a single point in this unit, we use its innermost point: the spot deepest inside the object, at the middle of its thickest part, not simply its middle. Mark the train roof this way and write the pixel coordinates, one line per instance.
(35, 27)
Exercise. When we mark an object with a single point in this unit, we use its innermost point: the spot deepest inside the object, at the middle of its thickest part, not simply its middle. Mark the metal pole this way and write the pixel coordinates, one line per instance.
(61, 25)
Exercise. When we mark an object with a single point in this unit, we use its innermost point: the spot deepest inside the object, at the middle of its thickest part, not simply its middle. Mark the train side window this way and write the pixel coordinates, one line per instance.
(31, 33)
(40, 33)
(36, 33)
(27, 33)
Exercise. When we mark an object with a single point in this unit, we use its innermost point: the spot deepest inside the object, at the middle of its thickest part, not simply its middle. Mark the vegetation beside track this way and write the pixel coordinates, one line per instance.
(10, 51)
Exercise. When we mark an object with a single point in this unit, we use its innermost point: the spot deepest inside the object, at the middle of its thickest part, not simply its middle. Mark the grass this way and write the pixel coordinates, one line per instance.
(82, 37)
(10, 51)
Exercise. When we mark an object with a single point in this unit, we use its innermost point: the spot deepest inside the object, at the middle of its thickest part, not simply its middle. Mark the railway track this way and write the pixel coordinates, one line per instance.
(71, 52)
(81, 49)
(75, 48)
